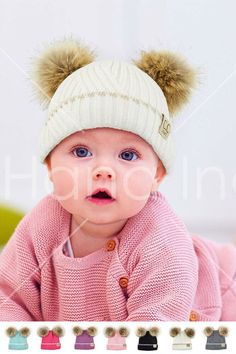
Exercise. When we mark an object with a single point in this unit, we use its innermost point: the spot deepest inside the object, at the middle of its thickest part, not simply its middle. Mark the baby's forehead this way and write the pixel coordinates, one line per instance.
(105, 134)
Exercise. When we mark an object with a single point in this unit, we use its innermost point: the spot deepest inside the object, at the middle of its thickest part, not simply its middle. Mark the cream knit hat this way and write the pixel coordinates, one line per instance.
(83, 94)
(182, 339)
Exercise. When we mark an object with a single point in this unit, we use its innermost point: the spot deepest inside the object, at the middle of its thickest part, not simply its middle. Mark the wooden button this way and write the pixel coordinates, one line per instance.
(111, 245)
(123, 282)
(193, 316)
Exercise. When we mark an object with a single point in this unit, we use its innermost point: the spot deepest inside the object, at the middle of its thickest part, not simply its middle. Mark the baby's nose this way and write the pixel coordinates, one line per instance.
(104, 172)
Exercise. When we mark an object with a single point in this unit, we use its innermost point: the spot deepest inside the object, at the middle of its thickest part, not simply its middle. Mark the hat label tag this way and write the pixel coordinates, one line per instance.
(165, 127)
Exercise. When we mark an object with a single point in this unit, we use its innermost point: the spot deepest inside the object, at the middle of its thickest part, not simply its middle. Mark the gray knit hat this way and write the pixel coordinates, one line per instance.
(216, 338)
(138, 97)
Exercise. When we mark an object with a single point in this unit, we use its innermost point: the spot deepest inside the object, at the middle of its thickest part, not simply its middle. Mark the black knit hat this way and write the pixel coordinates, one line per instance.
(147, 338)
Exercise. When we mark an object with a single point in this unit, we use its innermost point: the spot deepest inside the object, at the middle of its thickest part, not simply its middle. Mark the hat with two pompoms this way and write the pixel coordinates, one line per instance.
(182, 338)
(84, 337)
(51, 338)
(116, 338)
(147, 338)
(216, 337)
(83, 93)
(18, 338)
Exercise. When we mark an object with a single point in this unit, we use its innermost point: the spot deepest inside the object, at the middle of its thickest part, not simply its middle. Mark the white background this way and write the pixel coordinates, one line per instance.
(164, 339)
(202, 30)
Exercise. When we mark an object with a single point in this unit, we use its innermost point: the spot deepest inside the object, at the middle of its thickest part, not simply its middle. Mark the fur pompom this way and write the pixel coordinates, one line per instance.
(190, 332)
(43, 331)
(172, 73)
(55, 63)
(11, 331)
(77, 330)
(140, 332)
(25, 331)
(154, 331)
(92, 331)
(123, 331)
(223, 331)
(208, 331)
(58, 331)
(109, 332)
(174, 331)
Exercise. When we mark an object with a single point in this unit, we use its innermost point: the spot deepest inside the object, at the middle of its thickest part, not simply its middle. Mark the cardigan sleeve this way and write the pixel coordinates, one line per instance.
(19, 278)
(163, 283)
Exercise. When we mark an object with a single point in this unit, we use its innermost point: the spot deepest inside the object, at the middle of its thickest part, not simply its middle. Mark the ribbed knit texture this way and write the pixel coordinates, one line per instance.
(182, 342)
(169, 273)
(84, 341)
(216, 341)
(18, 342)
(147, 342)
(51, 341)
(117, 342)
(111, 94)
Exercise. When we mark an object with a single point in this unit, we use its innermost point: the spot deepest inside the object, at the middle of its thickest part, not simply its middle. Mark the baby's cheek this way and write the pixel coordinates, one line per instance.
(137, 183)
(64, 186)
(68, 188)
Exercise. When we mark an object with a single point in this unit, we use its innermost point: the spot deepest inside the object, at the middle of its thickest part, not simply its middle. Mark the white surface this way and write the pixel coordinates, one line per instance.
(203, 30)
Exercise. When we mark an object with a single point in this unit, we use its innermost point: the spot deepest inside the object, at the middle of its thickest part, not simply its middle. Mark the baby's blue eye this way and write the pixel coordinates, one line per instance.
(80, 152)
(128, 155)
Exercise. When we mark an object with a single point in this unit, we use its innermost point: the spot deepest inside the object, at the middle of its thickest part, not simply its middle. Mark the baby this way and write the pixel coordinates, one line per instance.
(105, 245)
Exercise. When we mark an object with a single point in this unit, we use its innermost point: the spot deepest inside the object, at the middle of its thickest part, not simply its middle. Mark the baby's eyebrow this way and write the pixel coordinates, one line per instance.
(85, 140)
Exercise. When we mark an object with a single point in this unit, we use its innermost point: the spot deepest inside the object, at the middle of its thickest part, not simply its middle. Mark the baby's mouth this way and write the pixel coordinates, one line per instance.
(101, 195)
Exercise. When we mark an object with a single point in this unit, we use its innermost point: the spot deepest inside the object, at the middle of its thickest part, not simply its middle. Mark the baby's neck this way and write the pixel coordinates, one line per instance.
(90, 237)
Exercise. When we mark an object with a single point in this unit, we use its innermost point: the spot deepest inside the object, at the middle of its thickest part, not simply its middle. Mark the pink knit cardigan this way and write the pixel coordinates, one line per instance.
(154, 271)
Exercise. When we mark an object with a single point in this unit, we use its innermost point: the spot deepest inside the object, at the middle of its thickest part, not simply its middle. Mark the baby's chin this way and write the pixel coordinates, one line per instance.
(102, 213)
(99, 218)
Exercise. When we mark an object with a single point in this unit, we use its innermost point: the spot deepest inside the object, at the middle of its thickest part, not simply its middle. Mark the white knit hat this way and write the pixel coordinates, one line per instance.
(182, 339)
(83, 94)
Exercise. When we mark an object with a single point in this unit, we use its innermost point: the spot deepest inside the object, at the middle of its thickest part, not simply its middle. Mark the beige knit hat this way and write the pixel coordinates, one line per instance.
(138, 97)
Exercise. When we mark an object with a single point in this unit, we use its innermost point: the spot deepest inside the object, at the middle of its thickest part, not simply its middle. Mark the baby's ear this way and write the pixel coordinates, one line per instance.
(48, 165)
(160, 173)
(48, 162)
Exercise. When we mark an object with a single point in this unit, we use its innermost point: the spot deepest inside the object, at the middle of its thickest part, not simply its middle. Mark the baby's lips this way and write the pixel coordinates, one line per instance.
(102, 190)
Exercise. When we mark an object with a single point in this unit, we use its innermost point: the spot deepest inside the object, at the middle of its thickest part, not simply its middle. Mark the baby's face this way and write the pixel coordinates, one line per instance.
(117, 160)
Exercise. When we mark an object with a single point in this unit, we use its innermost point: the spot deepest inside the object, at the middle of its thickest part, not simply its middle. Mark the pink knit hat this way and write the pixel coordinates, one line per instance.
(116, 338)
(50, 338)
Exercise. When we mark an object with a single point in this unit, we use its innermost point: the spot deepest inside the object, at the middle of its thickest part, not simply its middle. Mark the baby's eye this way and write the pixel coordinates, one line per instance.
(128, 155)
(80, 152)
